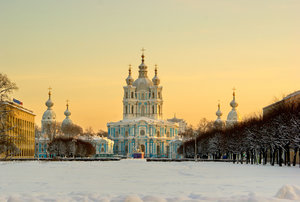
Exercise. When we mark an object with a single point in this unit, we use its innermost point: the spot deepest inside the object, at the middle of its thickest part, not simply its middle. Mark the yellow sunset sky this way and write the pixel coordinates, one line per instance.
(82, 49)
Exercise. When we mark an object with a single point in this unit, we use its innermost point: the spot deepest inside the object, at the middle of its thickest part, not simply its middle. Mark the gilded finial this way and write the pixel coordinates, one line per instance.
(219, 104)
(233, 91)
(155, 69)
(49, 93)
(129, 70)
(143, 54)
(67, 104)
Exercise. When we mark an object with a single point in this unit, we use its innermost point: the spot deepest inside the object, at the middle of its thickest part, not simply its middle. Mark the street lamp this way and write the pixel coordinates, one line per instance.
(195, 134)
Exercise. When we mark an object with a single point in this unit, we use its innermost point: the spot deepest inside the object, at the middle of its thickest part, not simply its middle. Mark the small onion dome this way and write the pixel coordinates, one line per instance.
(233, 116)
(156, 80)
(67, 121)
(219, 113)
(233, 103)
(49, 102)
(129, 79)
(49, 114)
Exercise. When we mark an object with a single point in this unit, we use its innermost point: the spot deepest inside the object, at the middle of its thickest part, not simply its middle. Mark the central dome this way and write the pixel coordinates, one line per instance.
(142, 84)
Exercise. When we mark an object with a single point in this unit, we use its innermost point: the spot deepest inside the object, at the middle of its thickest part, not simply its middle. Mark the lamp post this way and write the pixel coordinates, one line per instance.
(195, 134)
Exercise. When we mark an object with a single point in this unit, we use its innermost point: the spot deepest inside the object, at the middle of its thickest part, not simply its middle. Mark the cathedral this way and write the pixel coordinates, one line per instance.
(143, 128)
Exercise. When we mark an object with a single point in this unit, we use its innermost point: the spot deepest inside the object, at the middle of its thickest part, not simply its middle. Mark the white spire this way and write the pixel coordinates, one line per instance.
(143, 67)
(49, 102)
(218, 122)
(67, 121)
(233, 116)
(129, 79)
(156, 80)
(67, 112)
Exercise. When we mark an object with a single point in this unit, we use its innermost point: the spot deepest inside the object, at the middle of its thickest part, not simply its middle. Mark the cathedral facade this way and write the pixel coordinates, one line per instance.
(142, 128)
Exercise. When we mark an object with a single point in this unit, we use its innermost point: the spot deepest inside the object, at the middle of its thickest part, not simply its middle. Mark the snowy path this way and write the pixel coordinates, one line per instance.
(138, 180)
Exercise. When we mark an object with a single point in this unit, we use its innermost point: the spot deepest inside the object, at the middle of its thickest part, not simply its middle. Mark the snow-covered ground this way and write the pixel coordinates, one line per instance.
(138, 180)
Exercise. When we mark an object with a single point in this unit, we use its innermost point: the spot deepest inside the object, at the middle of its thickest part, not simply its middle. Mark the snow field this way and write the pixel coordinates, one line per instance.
(138, 180)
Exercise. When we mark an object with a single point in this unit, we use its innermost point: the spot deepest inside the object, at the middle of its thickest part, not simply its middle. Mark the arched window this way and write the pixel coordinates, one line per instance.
(158, 134)
(126, 109)
(126, 134)
(159, 109)
(126, 95)
(132, 109)
(153, 95)
(158, 94)
(132, 94)
(143, 96)
(153, 110)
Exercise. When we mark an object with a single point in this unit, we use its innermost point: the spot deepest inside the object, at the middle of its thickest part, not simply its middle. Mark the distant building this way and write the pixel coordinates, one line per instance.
(174, 145)
(233, 116)
(181, 122)
(290, 99)
(142, 128)
(21, 122)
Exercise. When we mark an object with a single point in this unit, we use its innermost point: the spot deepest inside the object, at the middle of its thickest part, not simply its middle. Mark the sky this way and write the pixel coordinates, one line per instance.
(203, 48)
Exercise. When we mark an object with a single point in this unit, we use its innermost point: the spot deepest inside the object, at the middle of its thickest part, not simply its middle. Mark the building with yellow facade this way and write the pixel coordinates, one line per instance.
(19, 125)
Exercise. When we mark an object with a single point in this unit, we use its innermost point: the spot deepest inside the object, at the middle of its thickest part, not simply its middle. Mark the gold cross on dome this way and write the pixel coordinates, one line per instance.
(49, 88)
(233, 89)
(143, 49)
(67, 102)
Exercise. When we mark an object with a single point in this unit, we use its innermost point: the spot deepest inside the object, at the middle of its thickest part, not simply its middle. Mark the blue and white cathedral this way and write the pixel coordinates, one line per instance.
(143, 128)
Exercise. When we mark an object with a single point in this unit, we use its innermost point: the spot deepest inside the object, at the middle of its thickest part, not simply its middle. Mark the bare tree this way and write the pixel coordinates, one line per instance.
(7, 145)
(102, 133)
(71, 130)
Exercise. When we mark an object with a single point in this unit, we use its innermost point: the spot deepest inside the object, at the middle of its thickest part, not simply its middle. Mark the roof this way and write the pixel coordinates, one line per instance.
(140, 119)
(19, 107)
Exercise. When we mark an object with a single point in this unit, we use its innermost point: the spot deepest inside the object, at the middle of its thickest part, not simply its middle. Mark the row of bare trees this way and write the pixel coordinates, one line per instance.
(70, 147)
(257, 140)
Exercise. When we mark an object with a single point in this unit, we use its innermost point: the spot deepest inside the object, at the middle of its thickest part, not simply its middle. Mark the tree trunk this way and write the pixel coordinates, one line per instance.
(295, 156)
(260, 156)
(273, 156)
(280, 156)
(288, 157)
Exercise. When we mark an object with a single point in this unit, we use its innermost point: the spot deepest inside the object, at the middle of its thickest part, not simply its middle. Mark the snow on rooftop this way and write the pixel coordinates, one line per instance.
(138, 180)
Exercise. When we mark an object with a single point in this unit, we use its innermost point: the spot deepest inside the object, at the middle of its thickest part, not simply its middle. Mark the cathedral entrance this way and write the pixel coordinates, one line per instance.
(143, 148)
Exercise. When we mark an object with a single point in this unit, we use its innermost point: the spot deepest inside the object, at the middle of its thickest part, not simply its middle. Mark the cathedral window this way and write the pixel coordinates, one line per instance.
(126, 95)
(143, 110)
(126, 109)
(153, 110)
(132, 109)
(132, 94)
(142, 132)
(143, 96)
(158, 94)
(159, 109)
(158, 134)
(117, 134)
(126, 134)
(153, 95)
(158, 150)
